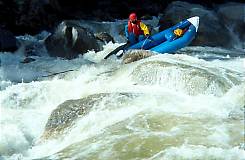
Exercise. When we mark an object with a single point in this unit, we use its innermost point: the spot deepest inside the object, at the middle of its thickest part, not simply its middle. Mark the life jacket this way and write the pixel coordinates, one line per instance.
(135, 28)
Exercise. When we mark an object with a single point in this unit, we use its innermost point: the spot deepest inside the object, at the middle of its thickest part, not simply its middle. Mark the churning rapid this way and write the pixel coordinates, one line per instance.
(182, 106)
(188, 105)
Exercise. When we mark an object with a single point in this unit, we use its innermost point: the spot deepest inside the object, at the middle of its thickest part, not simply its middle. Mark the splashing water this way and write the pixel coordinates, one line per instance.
(161, 107)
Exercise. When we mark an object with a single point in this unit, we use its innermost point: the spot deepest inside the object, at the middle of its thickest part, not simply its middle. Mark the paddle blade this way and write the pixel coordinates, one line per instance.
(115, 51)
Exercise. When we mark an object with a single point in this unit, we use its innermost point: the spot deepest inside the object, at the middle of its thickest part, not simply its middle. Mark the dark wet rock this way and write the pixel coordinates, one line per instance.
(36, 15)
(104, 37)
(176, 12)
(233, 15)
(70, 40)
(8, 41)
(107, 9)
(211, 32)
(8, 8)
(28, 60)
(33, 16)
(135, 55)
(27, 16)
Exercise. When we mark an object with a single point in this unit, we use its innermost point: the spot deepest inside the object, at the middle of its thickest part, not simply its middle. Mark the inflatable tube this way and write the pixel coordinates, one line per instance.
(166, 41)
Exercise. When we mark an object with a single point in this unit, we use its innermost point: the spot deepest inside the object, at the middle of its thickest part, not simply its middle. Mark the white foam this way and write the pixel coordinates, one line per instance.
(25, 107)
(201, 152)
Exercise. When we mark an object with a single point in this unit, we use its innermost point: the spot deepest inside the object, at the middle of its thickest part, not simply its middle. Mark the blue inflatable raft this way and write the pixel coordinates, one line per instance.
(166, 41)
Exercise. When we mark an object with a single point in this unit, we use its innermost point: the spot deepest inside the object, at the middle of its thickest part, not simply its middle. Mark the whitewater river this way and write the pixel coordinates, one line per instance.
(168, 107)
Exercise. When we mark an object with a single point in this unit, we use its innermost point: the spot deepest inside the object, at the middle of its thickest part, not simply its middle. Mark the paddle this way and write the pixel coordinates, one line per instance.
(122, 47)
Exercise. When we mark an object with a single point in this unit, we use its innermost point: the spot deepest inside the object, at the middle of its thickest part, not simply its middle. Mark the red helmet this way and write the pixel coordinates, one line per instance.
(132, 17)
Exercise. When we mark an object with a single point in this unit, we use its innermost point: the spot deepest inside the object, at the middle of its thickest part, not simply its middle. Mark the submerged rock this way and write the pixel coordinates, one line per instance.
(65, 115)
(186, 78)
(70, 40)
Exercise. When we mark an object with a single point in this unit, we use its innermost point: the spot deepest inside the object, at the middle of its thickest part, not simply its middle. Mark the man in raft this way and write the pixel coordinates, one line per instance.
(136, 30)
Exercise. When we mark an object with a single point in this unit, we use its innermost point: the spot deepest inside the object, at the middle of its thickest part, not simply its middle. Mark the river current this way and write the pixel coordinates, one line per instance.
(181, 106)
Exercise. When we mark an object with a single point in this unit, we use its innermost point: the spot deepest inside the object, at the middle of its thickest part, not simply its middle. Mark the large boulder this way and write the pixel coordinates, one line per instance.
(7, 41)
(63, 118)
(233, 15)
(70, 40)
(66, 113)
(211, 32)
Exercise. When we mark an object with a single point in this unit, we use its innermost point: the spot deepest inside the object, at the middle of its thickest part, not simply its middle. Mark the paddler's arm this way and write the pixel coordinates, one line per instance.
(144, 28)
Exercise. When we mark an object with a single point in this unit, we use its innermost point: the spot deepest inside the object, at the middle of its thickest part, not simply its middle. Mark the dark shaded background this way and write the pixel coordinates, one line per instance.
(33, 16)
